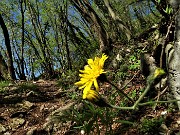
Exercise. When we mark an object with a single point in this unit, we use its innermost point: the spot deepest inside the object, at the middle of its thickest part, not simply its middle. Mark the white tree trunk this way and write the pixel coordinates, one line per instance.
(174, 63)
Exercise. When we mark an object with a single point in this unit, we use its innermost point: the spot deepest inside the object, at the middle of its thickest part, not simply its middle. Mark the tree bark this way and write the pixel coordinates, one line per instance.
(8, 47)
(174, 63)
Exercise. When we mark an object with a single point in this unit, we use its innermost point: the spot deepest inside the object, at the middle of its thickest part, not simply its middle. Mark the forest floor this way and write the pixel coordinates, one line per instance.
(26, 109)
(26, 106)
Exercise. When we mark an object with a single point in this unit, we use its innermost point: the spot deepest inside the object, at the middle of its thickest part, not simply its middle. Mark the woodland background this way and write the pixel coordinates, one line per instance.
(51, 40)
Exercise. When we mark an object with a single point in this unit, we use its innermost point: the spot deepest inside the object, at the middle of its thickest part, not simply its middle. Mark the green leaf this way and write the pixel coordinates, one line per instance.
(90, 125)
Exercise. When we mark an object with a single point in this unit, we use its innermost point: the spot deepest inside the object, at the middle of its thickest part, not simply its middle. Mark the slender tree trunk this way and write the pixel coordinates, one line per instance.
(66, 40)
(42, 40)
(118, 20)
(84, 7)
(22, 76)
(8, 47)
(174, 64)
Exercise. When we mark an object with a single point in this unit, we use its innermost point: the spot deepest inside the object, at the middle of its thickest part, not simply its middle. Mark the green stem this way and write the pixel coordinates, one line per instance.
(136, 103)
(150, 83)
(122, 108)
(120, 91)
(142, 104)
(142, 96)
(152, 102)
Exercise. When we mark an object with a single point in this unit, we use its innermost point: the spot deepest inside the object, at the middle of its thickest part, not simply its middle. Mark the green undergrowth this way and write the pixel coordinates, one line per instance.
(4, 84)
(7, 86)
(92, 119)
(151, 126)
(66, 81)
(26, 86)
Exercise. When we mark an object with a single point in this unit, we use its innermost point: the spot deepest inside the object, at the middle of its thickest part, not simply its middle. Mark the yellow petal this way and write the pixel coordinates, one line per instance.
(87, 87)
(82, 82)
(84, 96)
(96, 85)
(92, 96)
(90, 62)
(78, 83)
(85, 92)
(102, 60)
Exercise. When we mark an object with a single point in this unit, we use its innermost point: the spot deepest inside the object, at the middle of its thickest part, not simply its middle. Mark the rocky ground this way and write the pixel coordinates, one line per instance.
(25, 109)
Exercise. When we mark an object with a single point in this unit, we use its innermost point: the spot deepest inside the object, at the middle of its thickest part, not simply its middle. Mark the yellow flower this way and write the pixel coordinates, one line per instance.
(91, 95)
(91, 72)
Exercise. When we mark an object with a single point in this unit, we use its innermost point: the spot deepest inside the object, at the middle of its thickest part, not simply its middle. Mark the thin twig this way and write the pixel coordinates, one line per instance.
(162, 92)
(129, 80)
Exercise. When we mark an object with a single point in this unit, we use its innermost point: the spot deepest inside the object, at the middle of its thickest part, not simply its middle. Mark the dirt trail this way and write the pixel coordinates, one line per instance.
(25, 106)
